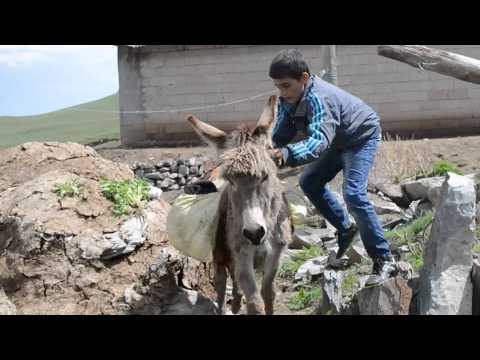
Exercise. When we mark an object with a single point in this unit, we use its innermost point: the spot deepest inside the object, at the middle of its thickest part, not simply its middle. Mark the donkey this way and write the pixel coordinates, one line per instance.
(255, 225)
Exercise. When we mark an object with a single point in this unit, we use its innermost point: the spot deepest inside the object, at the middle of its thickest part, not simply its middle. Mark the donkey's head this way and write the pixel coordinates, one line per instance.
(254, 188)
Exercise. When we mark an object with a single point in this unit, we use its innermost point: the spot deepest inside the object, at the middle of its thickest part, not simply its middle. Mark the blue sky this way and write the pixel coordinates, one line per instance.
(36, 79)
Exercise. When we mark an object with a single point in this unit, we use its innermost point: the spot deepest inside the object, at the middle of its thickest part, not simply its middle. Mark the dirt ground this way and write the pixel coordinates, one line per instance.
(396, 159)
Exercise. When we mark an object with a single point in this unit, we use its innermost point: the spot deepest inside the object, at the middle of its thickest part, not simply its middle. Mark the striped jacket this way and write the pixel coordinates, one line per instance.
(328, 116)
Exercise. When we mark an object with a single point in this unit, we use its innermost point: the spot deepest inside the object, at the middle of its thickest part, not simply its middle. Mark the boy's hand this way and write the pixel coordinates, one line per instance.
(277, 157)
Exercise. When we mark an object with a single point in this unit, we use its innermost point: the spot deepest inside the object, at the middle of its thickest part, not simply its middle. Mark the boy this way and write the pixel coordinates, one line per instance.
(343, 134)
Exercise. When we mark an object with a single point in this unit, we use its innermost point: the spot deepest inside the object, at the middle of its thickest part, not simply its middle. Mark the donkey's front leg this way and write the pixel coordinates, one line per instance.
(245, 274)
(220, 280)
(269, 272)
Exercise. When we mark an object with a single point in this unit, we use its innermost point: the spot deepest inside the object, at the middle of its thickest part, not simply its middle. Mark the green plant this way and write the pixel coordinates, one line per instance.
(349, 284)
(440, 168)
(415, 256)
(69, 188)
(409, 233)
(126, 195)
(307, 296)
(289, 268)
(476, 248)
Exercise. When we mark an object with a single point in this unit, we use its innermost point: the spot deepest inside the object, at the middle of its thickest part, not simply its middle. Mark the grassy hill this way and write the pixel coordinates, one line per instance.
(63, 125)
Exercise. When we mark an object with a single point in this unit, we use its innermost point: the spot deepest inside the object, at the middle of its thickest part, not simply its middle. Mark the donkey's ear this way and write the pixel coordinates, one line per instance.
(208, 133)
(265, 123)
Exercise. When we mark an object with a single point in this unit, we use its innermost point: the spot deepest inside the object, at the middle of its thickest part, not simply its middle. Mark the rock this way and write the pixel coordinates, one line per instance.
(394, 192)
(190, 302)
(356, 253)
(393, 297)
(193, 170)
(478, 213)
(154, 176)
(476, 287)
(383, 206)
(174, 187)
(201, 170)
(164, 176)
(6, 306)
(165, 184)
(191, 162)
(417, 209)
(164, 170)
(405, 270)
(331, 293)
(445, 278)
(308, 237)
(173, 175)
(418, 189)
(139, 172)
(155, 193)
(148, 169)
(389, 221)
(430, 188)
(182, 181)
(167, 163)
(180, 162)
(130, 235)
(311, 268)
(183, 170)
(50, 249)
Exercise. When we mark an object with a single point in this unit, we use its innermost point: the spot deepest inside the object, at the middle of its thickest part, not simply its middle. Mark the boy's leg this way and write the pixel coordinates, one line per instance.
(357, 164)
(314, 184)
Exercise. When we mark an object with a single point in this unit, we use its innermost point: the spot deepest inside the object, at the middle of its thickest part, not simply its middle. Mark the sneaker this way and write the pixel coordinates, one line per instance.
(345, 240)
(383, 269)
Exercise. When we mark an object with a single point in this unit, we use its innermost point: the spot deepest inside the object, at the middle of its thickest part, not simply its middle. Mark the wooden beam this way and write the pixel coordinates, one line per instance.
(440, 61)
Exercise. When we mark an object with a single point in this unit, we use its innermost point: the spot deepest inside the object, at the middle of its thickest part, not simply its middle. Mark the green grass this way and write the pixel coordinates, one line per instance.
(476, 248)
(408, 233)
(63, 125)
(440, 168)
(126, 195)
(306, 297)
(289, 269)
(350, 284)
(69, 188)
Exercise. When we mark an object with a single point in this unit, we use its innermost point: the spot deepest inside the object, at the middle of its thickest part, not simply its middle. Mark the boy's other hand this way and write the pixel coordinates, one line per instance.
(277, 157)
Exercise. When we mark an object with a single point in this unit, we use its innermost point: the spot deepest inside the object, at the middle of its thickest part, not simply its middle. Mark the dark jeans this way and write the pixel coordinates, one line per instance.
(356, 163)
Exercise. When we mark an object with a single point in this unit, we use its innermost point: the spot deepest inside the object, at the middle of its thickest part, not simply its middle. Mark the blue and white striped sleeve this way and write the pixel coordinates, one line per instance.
(321, 130)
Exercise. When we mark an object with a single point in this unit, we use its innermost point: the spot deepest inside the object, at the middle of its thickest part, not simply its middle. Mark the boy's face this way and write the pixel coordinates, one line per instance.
(291, 90)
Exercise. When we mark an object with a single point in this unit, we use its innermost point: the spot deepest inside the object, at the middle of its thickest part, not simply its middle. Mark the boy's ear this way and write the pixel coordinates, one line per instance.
(208, 133)
(266, 120)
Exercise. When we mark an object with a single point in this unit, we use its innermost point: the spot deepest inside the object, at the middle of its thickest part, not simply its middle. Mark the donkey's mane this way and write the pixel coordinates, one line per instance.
(249, 156)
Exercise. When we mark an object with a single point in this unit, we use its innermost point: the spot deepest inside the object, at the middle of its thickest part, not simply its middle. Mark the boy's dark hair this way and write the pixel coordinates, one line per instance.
(288, 63)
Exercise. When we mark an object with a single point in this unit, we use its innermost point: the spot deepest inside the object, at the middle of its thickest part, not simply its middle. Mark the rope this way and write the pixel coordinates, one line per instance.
(177, 110)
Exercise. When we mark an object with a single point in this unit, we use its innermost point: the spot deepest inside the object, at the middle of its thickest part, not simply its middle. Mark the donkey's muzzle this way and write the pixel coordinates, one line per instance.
(254, 235)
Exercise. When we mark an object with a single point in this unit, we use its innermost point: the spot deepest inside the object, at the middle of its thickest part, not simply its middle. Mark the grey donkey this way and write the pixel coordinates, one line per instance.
(255, 225)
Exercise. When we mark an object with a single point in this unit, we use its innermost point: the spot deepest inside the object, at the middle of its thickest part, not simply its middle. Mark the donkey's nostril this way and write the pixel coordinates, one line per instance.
(254, 235)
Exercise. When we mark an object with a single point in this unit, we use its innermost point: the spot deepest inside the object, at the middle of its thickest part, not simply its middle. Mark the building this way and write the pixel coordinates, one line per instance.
(157, 80)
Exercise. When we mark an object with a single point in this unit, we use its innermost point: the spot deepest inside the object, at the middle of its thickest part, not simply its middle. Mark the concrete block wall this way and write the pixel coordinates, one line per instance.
(410, 100)
(195, 77)
(178, 77)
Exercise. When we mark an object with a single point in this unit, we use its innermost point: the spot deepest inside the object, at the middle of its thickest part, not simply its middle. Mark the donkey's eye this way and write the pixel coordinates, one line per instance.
(265, 177)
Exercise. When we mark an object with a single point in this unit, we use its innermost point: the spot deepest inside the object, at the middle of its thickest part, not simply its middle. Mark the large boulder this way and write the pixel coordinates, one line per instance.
(393, 297)
(476, 287)
(445, 285)
(72, 255)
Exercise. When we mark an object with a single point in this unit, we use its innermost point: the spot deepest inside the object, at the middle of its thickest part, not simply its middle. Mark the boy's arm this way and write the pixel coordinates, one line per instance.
(284, 130)
(322, 128)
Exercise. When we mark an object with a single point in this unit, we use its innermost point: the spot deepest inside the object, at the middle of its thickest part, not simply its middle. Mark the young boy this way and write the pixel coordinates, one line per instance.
(343, 134)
